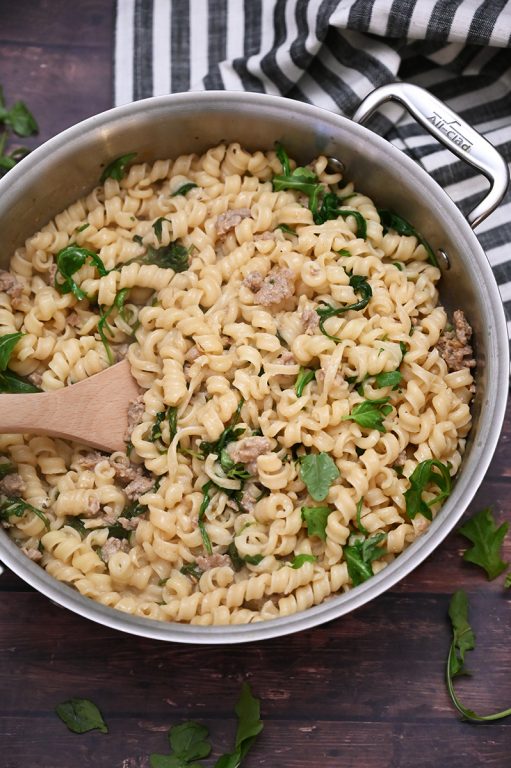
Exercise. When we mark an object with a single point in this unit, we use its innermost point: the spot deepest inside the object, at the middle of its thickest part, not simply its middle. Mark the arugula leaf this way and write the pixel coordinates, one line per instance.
(81, 715)
(330, 210)
(229, 434)
(318, 471)
(172, 256)
(287, 230)
(232, 469)
(119, 302)
(361, 527)
(431, 471)
(360, 285)
(15, 506)
(388, 379)
(157, 227)
(463, 640)
(189, 741)
(117, 168)
(487, 539)
(249, 727)
(6, 468)
(391, 220)
(507, 582)
(370, 413)
(299, 560)
(169, 415)
(283, 158)
(360, 555)
(7, 343)
(69, 260)
(77, 524)
(316, 519)
(239, 561)
(12, 384)
(305, 376)
(206, 489)
(184, 189)
(19, 119)
(192, 569)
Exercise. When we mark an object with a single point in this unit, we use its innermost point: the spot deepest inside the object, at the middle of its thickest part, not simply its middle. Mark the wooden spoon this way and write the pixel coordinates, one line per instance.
(93, 411)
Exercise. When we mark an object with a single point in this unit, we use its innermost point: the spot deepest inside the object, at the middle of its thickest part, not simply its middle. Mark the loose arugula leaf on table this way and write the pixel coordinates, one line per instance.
(15, 506)
(249, 727)
(81, 715)
(69, 260)
(507, 582)
(361, 286)
(370, 413)
(188, 742)
(299, 560)
(316, 519)
(429, 472)
(463, 640)
(360, 555)
(117, 168)
(19, 120)
(391, 220)
(184, 189)
(318, 471)
(487, 539)
(305, 376)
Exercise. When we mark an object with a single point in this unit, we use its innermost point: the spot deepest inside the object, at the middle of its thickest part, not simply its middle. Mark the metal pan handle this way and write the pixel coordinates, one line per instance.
(452, 131)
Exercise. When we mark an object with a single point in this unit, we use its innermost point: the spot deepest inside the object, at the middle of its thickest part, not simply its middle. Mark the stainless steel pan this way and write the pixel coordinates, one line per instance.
(69, 165)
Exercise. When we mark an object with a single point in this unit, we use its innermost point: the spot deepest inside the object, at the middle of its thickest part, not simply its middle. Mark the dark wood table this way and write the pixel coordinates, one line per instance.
(366, 690)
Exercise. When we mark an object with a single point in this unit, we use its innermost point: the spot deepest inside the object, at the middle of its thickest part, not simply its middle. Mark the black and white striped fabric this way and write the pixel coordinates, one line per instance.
(332, 53)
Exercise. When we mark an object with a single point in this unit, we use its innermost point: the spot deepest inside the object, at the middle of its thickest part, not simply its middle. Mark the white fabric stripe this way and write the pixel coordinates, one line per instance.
(379, 17)
(124, 51)
(500, 33)
(199, 28)
(234, 45)
(463, 17)
(267, 37)
(505, 291)
(498, 255)
(161, 47)
(484, 95)
(446, 55)
(282, 56)
(357, 82)
(377, 49)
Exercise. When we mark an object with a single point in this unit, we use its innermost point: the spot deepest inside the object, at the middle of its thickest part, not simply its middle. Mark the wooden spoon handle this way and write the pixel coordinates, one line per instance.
(93, 411)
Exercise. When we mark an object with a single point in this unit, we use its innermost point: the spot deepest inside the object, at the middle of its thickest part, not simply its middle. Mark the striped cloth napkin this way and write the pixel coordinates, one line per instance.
(332, 53)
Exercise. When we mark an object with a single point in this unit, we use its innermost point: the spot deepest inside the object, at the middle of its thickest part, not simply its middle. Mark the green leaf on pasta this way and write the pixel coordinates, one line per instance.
(318, 471)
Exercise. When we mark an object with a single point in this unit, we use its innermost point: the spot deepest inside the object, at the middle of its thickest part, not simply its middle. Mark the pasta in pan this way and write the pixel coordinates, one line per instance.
(304, 399)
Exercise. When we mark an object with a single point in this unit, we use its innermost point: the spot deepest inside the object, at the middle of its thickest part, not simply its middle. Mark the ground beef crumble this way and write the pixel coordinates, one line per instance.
(111, 546)
(277, 286)
(10, 284)
(135, 412)
(206, 562)
(12, 485)
(310, 320)
(230, 219)
(248, 449)
(454, 346)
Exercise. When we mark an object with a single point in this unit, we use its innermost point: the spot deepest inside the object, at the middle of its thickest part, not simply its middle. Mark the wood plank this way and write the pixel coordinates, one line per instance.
(71, 25)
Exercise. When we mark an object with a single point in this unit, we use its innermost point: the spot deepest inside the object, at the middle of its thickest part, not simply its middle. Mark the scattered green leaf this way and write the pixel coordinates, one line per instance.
(360, 555)
(429, 472)
(361, 286)
(388, 379)
(361, 527)
(7, 343)
(117, 168)
(316, 519)
(69, 260)
(81, 715)
(391, 220)
(184, 189)
(249, 727)
(487, 539)
(299, 560)
(370, 414)
(463, 640)
(15, 506)
(318, 471)
(12, 384)
(305, 376)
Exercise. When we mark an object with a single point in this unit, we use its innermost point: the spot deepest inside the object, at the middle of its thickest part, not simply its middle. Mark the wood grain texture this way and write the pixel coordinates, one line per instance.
(366, 690)
(93, 411)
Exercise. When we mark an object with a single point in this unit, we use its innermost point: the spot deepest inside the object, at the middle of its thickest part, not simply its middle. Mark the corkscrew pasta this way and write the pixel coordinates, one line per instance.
(304, 399)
